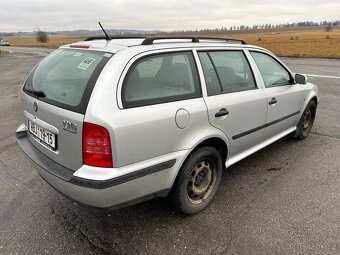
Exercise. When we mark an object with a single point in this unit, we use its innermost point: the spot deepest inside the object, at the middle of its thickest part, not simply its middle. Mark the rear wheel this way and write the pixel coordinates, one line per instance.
(306, 122)
(197, 181)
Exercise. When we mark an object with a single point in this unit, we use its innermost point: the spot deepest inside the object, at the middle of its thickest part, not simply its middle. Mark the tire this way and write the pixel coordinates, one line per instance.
(306, 122)
(197, 181)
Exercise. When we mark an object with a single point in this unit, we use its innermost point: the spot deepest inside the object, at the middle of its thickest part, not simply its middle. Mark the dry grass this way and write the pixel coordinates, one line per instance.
(54, 41)
(282, 43)
(298, 44)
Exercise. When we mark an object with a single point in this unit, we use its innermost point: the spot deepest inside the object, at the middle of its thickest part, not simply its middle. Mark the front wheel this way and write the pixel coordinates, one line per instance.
(197, 181)
(306, 122)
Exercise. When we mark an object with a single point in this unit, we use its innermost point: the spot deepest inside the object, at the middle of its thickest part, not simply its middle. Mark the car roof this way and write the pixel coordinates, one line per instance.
(154, 43)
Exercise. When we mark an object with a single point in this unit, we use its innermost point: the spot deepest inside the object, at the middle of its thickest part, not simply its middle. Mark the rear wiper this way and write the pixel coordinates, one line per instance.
(38, 93)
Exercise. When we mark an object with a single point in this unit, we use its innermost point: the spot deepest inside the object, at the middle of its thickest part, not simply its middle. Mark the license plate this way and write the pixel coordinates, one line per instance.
(42, 135)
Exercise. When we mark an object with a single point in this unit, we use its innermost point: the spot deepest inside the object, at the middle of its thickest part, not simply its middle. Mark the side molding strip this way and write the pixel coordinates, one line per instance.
(94, 184)
(263, 126)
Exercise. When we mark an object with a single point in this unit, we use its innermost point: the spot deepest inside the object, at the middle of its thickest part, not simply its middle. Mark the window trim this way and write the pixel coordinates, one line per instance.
(279, 62)
(215, 69)
(213, 64)
(149, 102)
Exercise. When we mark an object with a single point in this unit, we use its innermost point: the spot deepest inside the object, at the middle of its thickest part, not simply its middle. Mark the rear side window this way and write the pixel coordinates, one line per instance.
(64, 76)
(226, 71)
(273, 73)
(161, 78)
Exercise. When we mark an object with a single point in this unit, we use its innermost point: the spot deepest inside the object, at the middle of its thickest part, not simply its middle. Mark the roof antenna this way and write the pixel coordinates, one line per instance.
(107, 37)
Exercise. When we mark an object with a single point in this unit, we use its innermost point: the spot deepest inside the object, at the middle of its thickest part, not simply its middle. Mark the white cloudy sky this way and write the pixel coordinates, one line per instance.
(52, 15)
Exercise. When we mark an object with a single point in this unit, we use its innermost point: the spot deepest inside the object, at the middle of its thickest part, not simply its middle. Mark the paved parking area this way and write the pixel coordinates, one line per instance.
(284, 199)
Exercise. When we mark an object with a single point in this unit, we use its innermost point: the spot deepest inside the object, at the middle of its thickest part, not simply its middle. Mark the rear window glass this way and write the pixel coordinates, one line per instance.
(64, 75)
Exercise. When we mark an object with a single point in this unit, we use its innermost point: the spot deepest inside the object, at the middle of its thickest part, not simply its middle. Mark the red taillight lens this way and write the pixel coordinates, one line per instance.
(80, 46)
(96, 146)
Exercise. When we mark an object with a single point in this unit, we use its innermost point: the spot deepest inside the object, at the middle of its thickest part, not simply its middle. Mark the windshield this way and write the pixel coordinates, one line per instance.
(65, 78)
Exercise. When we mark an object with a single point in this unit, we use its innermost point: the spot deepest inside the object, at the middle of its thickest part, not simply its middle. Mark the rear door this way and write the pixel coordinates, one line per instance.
(55, 97)
(235, 104)
(284, 96)
(161, 106)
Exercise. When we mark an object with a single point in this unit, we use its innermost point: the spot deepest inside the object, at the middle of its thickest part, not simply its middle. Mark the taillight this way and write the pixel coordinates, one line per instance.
(96, 146)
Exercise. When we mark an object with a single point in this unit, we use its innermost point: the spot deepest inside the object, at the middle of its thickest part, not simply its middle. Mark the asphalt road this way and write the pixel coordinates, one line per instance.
(284, 199)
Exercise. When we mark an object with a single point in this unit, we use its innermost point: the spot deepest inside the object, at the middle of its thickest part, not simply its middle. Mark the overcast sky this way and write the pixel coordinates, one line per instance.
(53, 15)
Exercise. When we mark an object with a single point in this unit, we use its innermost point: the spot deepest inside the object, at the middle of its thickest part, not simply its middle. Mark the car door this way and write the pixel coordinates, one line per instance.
(235, 104)
(284, 96)
(162, 109)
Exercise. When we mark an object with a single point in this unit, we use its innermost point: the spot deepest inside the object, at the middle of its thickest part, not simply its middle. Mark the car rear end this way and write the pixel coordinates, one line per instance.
(69, 131)
(55, 98)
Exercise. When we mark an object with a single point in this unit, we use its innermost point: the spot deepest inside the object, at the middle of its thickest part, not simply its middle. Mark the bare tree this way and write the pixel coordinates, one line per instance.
(329, 27)
(42, 36)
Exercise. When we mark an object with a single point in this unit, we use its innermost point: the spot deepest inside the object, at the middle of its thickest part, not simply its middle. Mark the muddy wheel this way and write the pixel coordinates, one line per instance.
(197, 181)
(306, 122)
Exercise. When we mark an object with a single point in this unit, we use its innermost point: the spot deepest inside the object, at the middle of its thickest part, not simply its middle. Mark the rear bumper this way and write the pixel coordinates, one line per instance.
(154, 178)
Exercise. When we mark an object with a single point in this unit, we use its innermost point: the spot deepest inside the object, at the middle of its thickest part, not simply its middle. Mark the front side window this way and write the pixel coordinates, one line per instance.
(226, 71)
(273, 73)
(161, 78)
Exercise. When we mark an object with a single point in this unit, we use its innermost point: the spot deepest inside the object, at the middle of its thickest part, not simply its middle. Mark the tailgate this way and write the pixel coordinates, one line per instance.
(47, 133)
(55, 98)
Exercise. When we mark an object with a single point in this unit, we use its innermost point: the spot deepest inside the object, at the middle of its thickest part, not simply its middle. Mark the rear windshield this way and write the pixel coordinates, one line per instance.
(66, 77)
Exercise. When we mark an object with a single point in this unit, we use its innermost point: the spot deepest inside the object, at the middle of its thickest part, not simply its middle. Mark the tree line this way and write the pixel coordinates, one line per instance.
(325, 23)
(328, 25)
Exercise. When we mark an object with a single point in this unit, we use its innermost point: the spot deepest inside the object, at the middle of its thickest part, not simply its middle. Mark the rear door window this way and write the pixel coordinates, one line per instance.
(66, 77)
(161, 78)
(226, 71)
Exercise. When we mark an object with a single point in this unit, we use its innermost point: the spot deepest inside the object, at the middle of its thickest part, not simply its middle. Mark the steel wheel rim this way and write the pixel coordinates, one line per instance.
(307, 119)
(201, 181)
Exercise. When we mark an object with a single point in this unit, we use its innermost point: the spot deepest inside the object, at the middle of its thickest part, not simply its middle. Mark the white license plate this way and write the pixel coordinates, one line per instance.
(42, 135)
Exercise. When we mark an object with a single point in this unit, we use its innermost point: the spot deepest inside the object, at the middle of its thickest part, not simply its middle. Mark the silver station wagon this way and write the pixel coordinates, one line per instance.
(115, 121)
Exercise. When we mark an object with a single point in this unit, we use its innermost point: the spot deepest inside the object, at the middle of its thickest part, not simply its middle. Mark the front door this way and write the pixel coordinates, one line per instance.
(235, 104)
(284, 97)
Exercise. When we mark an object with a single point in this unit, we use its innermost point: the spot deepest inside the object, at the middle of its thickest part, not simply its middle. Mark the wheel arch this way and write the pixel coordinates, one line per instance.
(217, 142)
(312, 95)
(315, 99)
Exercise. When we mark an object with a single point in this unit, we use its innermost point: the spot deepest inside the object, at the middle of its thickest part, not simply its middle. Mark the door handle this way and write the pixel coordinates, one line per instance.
(222, 112)
(272, 101)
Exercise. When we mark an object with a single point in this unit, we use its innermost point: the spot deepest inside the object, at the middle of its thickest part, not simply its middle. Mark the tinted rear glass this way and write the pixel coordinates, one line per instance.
(161, 78)
(67, 77)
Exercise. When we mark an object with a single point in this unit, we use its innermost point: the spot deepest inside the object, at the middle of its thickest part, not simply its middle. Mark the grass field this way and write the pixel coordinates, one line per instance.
(54, 41)
(313, 43)
(299, 44)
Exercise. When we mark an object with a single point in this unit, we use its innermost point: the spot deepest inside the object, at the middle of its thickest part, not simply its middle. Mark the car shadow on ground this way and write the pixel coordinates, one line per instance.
(122, 230)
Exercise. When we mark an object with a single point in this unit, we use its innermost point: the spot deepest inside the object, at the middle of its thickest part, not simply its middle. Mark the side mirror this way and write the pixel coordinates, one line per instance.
(300, 79)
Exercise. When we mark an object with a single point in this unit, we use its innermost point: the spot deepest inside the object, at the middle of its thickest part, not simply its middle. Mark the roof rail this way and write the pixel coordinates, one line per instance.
(193, 38)
(222, 39)
(92, 38)
(151, 39)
